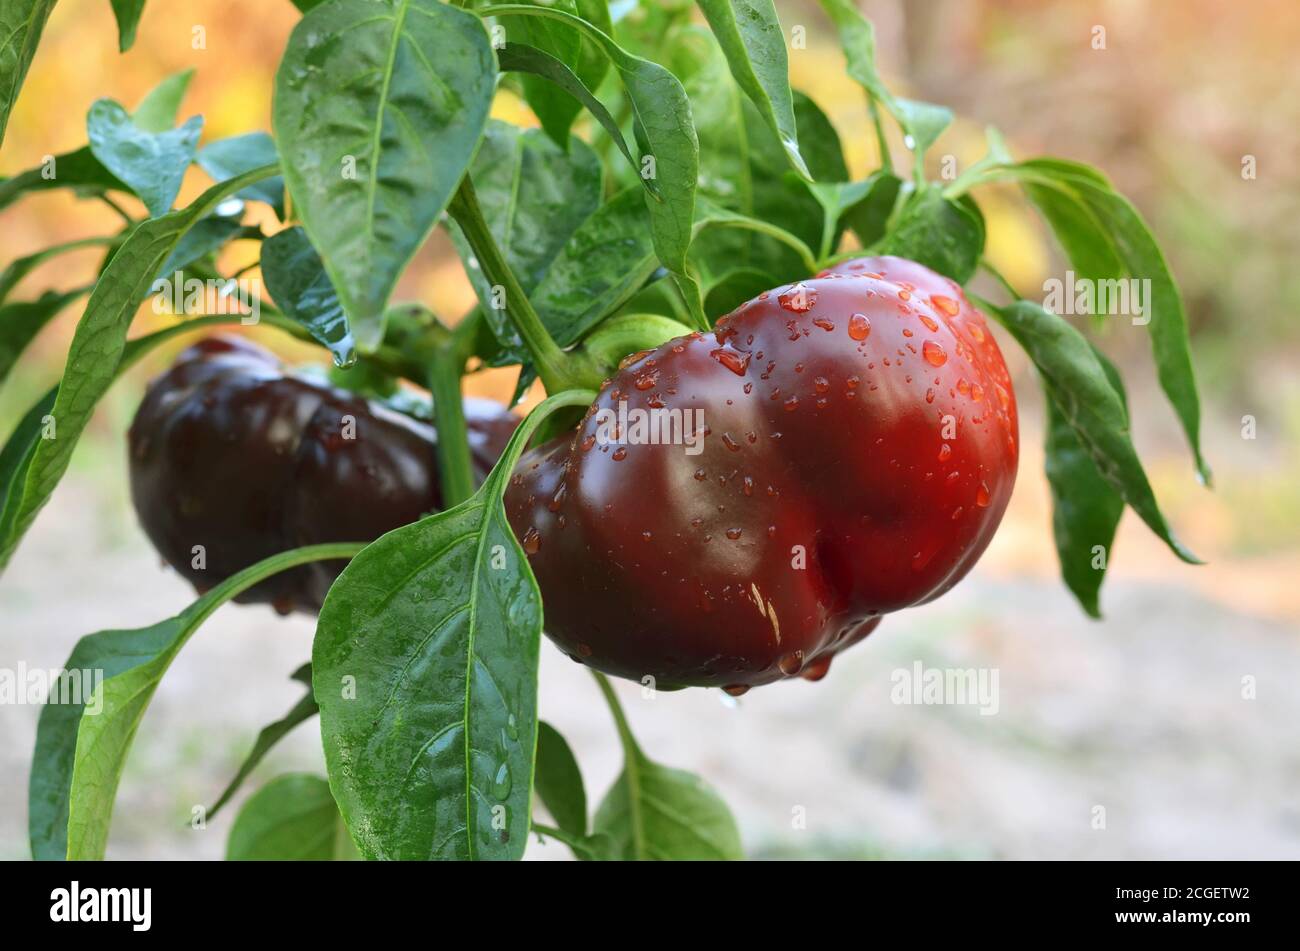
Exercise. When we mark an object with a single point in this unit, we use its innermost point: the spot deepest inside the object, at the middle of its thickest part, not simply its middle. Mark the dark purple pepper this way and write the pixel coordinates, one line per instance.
(231, 453)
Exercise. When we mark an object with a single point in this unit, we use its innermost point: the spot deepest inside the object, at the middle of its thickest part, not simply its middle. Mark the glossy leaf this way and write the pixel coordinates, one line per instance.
(159, 109)
(604, 262)
(378, 110)
(559, 781)
(226, 158)
(21, 23)
(208, 236)
(945, 235)
(654, 812)
(662, 117)
(270, 735)
(516, 57)
(1077, 382)
(297, 282)
(555, 109)
(292, 818)
(35, 465)
(751, 37)
(151, 163)
(425, 669)
(1086, 509)
(81, 747)
(533, 196)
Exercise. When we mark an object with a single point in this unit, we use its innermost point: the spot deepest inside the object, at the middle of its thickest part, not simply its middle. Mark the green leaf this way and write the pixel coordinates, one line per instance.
(158, 110)
(751, 37)
(945, 235)
(128, 14)
(79, 169)
(1086, 509)
(209, 235)
(733, 289)
(869, 216)
(226, 158)
(662, 118)
(553, 108)
(296, 280)
(1106, 239)
(98, 348)
(378, 110)
(534, 196)
(516, 57)
(425, 669)
(21, 321)
(604, 262)
(271, 734)
(19, 268)
(151, 163)
(922, 122)
(654, 812)
(292, 818)
(559, 781)
(21, 23)
(81, 747)
(1076, 380)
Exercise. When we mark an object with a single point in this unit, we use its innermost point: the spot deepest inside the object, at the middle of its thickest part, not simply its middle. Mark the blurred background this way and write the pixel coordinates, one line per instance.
(1142, 714)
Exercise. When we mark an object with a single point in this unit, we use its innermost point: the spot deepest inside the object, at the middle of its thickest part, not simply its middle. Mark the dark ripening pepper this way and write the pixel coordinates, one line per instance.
(231, 453)
(857, 451)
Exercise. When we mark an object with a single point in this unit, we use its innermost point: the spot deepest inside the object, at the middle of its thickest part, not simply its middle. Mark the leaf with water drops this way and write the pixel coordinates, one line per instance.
(296, 280)
(378, 110)
(153, 164)
(425, 670)
(226, 158)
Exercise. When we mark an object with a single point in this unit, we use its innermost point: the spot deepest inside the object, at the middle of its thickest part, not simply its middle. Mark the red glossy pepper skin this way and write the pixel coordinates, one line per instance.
(230, 452)
(860, 449)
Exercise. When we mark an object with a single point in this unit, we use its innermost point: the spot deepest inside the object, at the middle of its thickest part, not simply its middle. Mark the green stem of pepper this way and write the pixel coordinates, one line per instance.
(446, 367)
(886, 160)
(558, 370)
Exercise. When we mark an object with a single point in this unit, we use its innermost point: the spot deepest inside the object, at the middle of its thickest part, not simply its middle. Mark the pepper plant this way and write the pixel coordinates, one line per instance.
(674, 176)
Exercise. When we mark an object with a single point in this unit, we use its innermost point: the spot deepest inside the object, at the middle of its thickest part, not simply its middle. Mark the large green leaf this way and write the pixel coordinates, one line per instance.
(378, 110)
(1086, 509)
(425, 669)
(297, 281)
(555, 109)
(750, 35)
(33, 465)
(1078, 383)
(21, 23)
(291, 818)
(270, 735)
(533, 196)
(153, 164)
(81, 747)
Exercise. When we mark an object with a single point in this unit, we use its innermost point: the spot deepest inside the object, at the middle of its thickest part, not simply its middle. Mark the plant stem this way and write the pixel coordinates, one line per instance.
(886, 160)
(557, 370)
(454, 466)
(630, 749)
